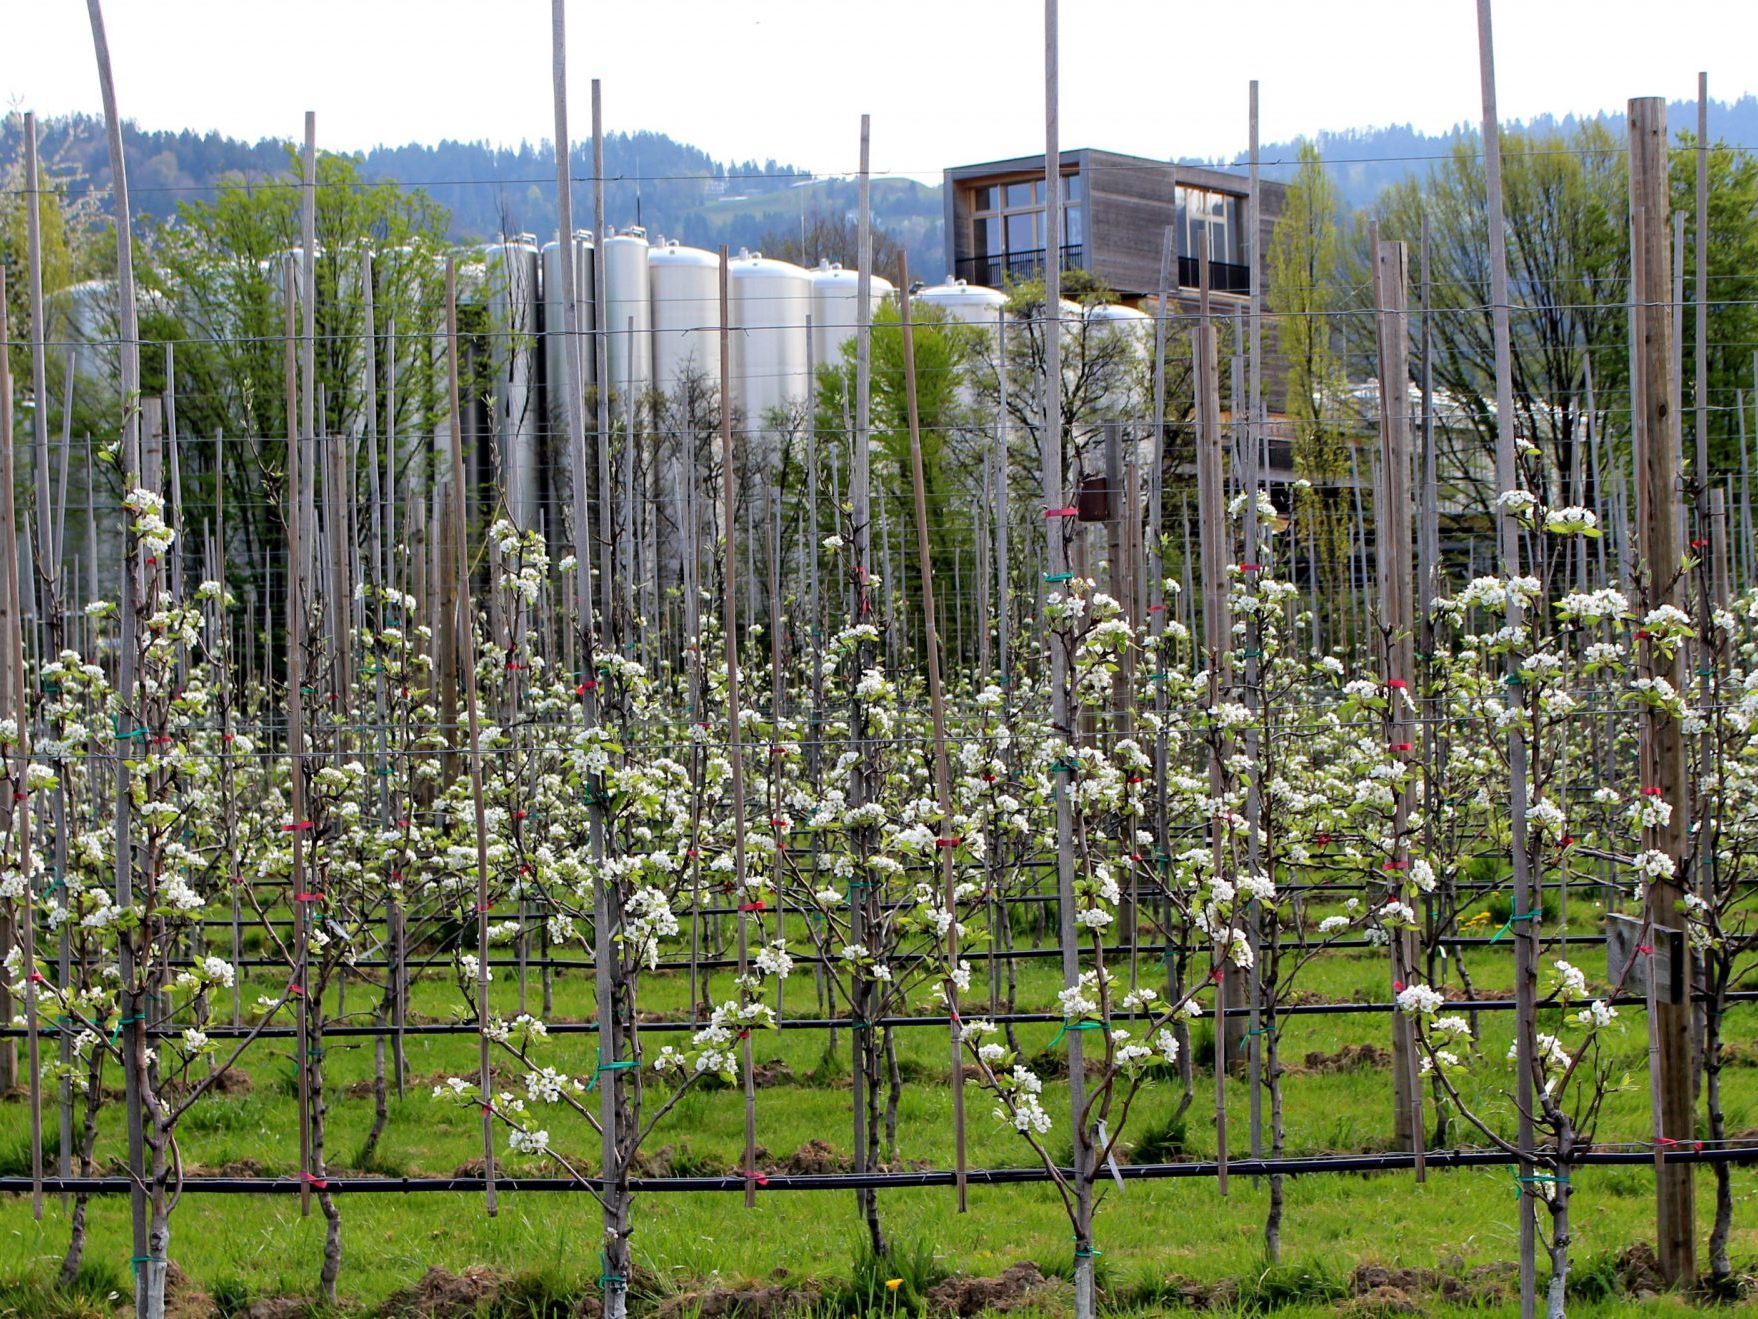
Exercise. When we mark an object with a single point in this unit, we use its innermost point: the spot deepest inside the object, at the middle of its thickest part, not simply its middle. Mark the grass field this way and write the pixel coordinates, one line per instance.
(1163, 1242)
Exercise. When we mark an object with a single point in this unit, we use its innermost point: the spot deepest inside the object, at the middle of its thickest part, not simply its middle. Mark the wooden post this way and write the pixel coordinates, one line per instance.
(1508, 545)
(1392, 545)
(1657, 440)
(150, 1276)
(1217, 639)
(735, 733)
(863, 784)
(1062, 727)
(601, 343)
(461, 625)
(937, 703)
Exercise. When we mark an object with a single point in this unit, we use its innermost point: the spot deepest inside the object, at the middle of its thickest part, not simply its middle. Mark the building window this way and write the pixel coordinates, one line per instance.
(1008, 223)
(1221, 215)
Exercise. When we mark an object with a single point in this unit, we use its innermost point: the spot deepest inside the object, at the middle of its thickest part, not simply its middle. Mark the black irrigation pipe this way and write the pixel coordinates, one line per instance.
(1155, 950)
(1011, 900)
(369, 1031)
(1310, 1165)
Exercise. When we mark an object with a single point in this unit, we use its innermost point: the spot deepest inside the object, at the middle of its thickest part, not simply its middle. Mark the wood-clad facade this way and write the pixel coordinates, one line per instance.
(1119, 208)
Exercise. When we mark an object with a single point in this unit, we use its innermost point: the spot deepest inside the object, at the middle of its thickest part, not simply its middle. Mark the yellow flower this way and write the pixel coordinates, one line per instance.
(892, 1284)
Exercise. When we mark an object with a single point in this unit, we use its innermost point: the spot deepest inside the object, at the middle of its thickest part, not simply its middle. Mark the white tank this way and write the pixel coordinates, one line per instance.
(835, 308)
(770, 302)
(1135, 327)
(972, 304)
(1120, 347)
(555, 361)
(628, 314)
(510, 296)
(685, 287)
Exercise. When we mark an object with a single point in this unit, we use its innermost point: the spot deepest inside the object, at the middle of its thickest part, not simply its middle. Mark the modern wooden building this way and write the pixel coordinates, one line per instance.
(1117, 211)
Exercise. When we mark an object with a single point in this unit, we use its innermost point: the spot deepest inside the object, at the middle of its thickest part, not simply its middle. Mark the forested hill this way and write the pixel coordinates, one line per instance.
(670, 187)
(1363, 161)
(680, 191)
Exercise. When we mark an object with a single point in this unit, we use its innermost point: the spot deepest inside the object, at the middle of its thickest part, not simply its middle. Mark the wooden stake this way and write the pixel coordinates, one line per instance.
(1508, 544)
(735, 732)
(947, 843)
(1663, 755)
(1392, 543)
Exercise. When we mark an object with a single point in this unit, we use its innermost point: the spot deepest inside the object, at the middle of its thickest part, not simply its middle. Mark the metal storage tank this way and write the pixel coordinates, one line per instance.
(684, 283)
(972, 304)
(510, 297)
(628, 313)
(555, 362)
(770, 301)
(1122, 375)
(835, 298)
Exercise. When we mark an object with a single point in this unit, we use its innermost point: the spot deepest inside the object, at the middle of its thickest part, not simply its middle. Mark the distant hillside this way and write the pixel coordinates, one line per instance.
(1365, 160)
(681, 192)
(672, 188)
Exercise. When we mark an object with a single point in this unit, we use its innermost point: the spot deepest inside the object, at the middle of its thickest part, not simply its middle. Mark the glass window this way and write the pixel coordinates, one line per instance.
(1073, 188)
(984, 199)
(1022, 231)
(1074, 226)
(1021, 194)
(988, 235)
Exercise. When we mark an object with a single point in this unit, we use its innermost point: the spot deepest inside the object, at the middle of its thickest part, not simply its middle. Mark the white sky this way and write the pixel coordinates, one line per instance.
(947, 81)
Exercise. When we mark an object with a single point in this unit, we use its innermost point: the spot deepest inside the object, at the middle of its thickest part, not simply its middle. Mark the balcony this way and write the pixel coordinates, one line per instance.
(1224, 276)
(999, 269)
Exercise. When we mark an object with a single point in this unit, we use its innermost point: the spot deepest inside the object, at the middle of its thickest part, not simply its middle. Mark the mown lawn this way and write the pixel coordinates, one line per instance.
(1154, 1236)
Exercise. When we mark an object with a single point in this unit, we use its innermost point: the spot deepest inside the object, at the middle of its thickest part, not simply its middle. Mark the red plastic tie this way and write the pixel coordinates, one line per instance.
(296, 828)
(1394, 865)
(308, 897)
(1652, 792)
(520, 815)
(753, 1175)
(1700, 543)
(754, 906)
(778, 824)
(483, 908)
(297, 991)
(315, 1180)
(1251, 567)
(1156, 609)
(1401, 746)
(948, 842)
(1398, 683)
(1218, 974)
(1069, 512)
(1646, 950)
(514, 664)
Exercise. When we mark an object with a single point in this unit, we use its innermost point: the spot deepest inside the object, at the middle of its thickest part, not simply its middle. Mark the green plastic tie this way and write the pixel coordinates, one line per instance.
(620, 1066)
(120, 1023)
(1069, 765)
(1058, 577)
(1251, 654)
(1072, 1025)
(1515, 916)
(605, 1277)
(135, 1261)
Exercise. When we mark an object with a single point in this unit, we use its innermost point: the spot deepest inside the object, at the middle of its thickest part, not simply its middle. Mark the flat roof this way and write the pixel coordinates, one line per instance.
(1197, 175)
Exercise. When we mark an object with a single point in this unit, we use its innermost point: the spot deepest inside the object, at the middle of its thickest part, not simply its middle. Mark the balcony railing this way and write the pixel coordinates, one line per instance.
(1224, 276)
(998, 269)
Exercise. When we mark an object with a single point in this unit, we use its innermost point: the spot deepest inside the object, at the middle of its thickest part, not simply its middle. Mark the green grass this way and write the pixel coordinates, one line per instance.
(1154, 1235)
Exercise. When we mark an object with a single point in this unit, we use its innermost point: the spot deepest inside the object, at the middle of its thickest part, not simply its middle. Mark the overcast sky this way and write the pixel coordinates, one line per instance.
(946, 81)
